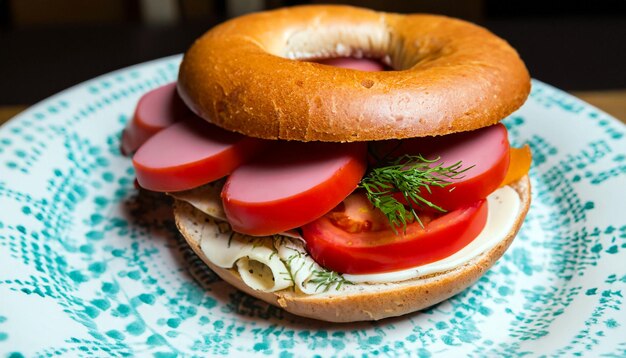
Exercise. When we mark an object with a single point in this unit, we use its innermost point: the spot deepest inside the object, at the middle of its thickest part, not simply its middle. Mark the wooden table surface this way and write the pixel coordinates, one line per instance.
(612, 102)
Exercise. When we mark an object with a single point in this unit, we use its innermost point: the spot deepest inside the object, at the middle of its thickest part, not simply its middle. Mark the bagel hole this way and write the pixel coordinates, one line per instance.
(323, 41)
(354, 63)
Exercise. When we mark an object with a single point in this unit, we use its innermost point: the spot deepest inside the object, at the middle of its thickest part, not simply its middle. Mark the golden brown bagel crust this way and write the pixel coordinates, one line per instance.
(389, 301)
(450, 75)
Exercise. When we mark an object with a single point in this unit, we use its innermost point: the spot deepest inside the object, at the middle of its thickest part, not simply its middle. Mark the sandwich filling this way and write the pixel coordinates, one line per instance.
(321, 217)
(279, 262)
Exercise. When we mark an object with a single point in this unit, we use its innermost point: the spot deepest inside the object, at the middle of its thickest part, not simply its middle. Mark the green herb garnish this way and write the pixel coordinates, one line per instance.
(327, 279)
(407, 175)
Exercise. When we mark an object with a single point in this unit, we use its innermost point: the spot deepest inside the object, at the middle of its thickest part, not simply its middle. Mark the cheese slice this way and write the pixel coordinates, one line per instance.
(253, 257)
(206, 198)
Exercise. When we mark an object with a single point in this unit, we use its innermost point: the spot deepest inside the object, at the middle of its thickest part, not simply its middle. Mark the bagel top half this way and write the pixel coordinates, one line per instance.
(247, 75)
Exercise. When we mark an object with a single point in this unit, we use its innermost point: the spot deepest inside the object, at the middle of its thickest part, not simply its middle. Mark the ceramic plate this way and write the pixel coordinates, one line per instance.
(89, 268)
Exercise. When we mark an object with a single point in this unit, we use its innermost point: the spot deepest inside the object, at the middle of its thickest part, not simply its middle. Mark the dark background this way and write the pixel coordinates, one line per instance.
(46, 46)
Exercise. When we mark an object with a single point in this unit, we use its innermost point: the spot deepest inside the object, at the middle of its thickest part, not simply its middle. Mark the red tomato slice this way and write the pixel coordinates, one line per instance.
(156, 110)
(486, 150)
(191, 153)
(355, 238)
(291, 184)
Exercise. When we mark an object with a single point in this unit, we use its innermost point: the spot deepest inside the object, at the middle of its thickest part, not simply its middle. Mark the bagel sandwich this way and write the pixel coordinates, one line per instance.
(344, 164)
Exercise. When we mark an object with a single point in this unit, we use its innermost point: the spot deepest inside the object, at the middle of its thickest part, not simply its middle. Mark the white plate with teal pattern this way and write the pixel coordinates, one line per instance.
(88, 268)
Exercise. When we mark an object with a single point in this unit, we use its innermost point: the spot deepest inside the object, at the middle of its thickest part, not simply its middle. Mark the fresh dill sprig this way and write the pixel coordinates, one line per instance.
(407, 175)
(328, 279)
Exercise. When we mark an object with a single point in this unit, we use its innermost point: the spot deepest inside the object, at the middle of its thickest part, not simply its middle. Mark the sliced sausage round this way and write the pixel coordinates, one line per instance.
(291, 184)
(189, 154)
(361, 64)
(156, 110)
(483, 154)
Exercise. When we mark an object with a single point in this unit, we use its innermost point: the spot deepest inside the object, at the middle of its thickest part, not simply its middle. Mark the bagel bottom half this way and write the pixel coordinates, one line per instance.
(378, 301)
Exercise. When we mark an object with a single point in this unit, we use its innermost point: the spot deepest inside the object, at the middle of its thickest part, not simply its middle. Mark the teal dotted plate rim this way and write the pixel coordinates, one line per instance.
(89, 268)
